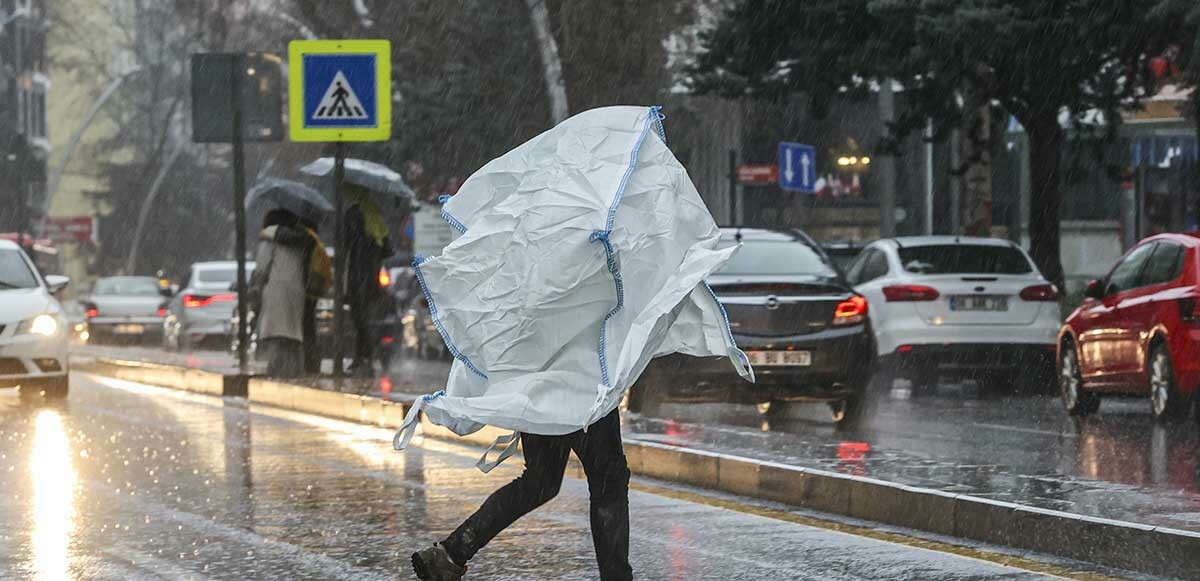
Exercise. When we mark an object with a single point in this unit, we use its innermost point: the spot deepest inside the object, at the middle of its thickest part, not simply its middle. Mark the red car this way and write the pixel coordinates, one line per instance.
(1137, 332)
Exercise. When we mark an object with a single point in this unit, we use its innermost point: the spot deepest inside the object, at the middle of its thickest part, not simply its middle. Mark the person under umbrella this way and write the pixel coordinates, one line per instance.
(367, 245)
(277, 291)
(309, 208)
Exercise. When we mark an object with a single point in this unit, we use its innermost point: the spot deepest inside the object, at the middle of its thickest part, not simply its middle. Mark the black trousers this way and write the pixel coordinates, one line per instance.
(603, 458)
(364, 340)
(312, 354)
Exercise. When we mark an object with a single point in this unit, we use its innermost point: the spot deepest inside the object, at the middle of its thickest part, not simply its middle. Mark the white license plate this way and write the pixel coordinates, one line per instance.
(991, 303)
(325, 304)
(129, 329)
(771, 358)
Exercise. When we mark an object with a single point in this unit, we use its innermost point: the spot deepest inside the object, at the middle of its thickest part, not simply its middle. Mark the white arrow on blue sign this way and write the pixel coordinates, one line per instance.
(797, 167)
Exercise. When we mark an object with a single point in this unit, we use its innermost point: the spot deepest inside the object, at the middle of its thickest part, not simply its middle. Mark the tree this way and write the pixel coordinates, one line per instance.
(1046, 63)
(551, 63)
(145, 145)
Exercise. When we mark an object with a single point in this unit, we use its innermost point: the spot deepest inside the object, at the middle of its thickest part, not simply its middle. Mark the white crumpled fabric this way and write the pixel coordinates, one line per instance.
(583, 255)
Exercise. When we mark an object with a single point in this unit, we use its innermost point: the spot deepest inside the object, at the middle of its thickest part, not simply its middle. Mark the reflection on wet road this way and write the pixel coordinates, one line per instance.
(1117, 464)
(125, 481)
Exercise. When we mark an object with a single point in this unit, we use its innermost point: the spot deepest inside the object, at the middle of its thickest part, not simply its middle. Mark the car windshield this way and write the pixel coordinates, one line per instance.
(763, 257)
(15, 272)
(127, 286)
(964, 259)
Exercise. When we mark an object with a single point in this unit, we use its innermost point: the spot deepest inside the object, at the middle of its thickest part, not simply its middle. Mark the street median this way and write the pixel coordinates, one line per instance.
(1139, 547)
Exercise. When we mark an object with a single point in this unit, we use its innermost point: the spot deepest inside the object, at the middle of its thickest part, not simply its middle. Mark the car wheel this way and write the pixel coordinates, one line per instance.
(883, 377)
(646, 395)
(1165, 399)
(847, 412)
(50, 389)
(58, 387)
(1076, 400)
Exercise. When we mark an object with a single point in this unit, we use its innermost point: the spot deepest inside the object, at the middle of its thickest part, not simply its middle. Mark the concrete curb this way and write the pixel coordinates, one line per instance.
(1137, 547)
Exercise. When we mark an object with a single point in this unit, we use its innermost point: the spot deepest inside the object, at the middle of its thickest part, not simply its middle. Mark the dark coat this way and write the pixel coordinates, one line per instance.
(364, 258)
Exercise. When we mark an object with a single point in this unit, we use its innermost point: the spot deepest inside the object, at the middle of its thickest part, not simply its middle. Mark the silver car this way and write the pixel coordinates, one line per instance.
(125, 308)
(202, 310)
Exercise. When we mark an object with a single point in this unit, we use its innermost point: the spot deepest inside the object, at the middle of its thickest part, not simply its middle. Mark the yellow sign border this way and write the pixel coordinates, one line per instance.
(382, 49)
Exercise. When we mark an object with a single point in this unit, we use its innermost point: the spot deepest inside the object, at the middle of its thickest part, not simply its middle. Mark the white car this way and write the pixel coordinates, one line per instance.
(33, 329)
(970, 308)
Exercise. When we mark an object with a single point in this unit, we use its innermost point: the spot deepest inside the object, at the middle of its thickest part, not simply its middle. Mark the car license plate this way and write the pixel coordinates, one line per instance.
(992, 303)
(772, 358)
(129, 329)
(325, 304)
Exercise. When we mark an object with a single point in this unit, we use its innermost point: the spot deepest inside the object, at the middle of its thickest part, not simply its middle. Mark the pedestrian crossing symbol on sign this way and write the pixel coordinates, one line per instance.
(340, 90)
(339, 101)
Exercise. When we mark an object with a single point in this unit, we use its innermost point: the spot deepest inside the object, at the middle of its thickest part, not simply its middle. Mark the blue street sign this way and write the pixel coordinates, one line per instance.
(797, 167)
(340, 90)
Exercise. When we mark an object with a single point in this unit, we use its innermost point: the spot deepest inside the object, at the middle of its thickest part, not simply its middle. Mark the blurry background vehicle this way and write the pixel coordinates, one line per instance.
(76, 316)
(1136, 332)
(33, 330)
(802, 326)
(970, 308)
(842, 252)
(202, 311)
(125, 308)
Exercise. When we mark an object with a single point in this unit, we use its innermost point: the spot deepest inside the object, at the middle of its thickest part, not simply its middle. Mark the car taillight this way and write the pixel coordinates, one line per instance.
(92, 312)
(851, 311)
(162, 312)
(909, 293)
(1040, 292)
(385, 279)
(196, 301)
(1189, 310)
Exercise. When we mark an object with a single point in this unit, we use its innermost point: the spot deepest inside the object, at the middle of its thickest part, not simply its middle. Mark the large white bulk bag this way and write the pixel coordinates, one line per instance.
(583, 255)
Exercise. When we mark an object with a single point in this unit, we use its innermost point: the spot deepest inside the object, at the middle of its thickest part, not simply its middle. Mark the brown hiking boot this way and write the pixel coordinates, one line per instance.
(434, 564)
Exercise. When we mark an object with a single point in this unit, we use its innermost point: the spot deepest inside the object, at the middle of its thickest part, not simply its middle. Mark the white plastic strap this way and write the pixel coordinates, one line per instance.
(741, 363)
(510, 441)
(411, 420)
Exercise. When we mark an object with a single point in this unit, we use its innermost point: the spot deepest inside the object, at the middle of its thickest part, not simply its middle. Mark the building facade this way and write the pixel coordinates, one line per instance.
(24, 86)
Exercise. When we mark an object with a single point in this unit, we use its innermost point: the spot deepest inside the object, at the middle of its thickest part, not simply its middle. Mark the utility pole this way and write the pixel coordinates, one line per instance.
(887, 162)
(734, 219)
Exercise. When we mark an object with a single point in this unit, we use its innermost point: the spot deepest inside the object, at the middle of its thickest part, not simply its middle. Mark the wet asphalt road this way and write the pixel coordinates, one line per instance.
(124, 481)
(1117, 464)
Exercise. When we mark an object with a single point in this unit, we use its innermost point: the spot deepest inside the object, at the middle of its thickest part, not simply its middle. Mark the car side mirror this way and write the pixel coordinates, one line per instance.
(1094, 290)
(56, 282)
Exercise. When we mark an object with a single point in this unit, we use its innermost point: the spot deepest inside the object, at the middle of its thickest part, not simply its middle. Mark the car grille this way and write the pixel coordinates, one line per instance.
(11, 366)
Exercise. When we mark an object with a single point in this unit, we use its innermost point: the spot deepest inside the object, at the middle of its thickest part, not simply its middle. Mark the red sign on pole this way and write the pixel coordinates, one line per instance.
(61, 229)
(758, 174)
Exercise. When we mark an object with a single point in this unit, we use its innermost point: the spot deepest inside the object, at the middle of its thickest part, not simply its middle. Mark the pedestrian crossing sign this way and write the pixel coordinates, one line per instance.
(339, 90)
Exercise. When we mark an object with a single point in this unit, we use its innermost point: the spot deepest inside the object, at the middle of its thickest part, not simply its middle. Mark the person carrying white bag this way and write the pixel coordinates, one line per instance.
(583, 256)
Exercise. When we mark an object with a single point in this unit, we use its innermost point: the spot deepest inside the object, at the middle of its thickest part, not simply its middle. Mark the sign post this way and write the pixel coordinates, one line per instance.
(339, 91)
(243, 89)
(797, 167)
(239, 209)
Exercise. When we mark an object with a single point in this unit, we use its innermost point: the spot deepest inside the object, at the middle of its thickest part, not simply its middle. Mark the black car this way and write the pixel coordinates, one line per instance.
(802, 326)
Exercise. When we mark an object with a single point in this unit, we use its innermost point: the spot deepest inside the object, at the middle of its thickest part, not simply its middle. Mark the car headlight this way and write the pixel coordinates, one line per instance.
(43, 324)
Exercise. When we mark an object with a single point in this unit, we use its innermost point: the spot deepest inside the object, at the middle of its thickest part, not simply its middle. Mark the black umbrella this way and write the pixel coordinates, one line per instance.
(294, 197)
(375, 177)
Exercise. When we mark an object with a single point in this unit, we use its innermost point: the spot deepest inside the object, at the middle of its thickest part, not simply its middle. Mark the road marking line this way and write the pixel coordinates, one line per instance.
(1028, 431)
